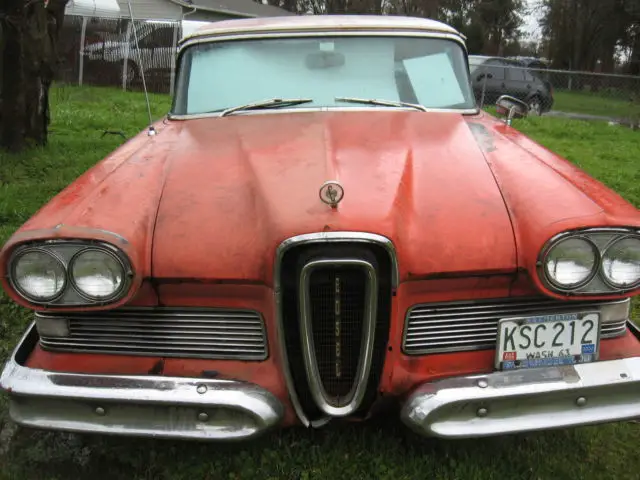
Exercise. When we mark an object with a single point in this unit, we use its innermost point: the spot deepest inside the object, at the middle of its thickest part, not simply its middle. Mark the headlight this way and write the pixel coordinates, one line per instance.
(571, 262)
(38, 275)
(97, 274)
(621, 263)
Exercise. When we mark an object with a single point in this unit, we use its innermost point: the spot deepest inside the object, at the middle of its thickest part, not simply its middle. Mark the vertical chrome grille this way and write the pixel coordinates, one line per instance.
(338, 311)
(333, 294)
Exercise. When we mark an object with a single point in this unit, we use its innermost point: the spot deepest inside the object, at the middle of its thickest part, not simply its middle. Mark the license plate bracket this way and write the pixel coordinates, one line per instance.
(547, 340)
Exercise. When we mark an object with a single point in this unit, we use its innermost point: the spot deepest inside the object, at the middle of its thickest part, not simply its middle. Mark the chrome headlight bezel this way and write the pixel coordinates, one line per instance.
(597, 283)
(605, 277)
(16, 285)
(74, 281)
(65, 251)
(587, 279)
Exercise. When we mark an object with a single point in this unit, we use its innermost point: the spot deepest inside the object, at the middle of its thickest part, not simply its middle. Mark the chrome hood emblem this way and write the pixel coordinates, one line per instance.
(331, 193)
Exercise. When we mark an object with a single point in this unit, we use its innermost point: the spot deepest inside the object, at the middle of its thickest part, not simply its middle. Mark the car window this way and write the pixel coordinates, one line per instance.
(474, 64)
(496, 71)
(218, 75)
(528, 77)
(516, 73)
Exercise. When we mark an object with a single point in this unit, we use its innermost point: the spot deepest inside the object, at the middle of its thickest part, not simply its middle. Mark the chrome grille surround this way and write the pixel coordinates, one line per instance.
(321, 382)
(224, 334)
(334, 239)
(460, 326)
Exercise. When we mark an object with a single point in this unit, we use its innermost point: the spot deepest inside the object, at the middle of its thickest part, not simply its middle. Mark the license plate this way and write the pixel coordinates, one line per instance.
(548, 340)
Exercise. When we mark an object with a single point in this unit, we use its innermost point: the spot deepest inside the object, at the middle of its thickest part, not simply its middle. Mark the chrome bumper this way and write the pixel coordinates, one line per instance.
(154, 406)
(527, 400)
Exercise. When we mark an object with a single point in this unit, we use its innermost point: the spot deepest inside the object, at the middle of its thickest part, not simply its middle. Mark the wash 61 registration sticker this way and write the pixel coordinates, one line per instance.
(548, 340)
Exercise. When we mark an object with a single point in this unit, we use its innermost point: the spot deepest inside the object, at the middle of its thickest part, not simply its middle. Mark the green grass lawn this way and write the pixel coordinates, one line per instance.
(380, 449)
(595, 104)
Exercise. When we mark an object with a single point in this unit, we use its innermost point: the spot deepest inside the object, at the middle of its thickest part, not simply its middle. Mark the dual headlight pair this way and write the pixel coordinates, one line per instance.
(592, 261)
(69, 273)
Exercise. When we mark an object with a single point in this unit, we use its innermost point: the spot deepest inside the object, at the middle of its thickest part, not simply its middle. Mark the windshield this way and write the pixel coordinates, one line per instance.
(218, 75)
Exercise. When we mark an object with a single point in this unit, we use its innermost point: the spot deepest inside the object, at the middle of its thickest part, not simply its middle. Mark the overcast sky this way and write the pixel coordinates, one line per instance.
(531, 29)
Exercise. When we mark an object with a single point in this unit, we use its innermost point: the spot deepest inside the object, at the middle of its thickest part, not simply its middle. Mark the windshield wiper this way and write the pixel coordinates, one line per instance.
(272, 103)
(384, 103)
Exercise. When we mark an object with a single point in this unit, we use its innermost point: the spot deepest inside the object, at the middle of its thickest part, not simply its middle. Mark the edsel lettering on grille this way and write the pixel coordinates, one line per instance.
(351, 233)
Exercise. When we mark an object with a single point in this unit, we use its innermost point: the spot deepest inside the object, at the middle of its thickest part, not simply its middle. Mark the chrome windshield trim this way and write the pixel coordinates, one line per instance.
(358, 389)
(386, 32)
(309, 238)
(329, 32)
(195, 116)
(140, 405)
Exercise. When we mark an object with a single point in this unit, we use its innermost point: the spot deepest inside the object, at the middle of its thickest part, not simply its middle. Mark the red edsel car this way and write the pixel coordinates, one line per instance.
(323, 227)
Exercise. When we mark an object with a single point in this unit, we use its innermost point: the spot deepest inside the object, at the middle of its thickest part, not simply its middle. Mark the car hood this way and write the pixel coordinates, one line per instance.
(238, 186)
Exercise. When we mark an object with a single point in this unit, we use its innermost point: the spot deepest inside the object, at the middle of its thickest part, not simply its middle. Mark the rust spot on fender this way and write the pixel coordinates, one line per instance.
(157, 368)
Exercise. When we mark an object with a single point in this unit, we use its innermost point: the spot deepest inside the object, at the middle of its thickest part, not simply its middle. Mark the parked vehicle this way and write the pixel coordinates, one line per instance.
(328, 229)
(118, 53)
(532, 63)
(492, 77)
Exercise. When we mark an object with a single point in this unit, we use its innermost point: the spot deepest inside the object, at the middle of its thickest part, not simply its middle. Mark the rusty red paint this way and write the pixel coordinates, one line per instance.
(201, 208)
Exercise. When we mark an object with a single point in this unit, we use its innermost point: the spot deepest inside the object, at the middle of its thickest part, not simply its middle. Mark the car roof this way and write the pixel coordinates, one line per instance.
(323, 23)
(507, 60)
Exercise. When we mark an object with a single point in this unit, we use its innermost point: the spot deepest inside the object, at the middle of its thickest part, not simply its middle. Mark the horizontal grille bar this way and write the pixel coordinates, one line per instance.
(466, 326)
(167, 332)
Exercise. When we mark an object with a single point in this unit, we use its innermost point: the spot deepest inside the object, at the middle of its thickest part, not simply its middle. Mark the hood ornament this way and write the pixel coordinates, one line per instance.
(331, 193)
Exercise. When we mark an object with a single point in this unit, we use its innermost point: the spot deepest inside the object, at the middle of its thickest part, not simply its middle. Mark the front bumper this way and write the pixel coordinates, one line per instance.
(527, 400)
(154, 406)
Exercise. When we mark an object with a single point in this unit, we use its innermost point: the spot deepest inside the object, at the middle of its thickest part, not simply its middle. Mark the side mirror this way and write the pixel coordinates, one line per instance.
(511, 108)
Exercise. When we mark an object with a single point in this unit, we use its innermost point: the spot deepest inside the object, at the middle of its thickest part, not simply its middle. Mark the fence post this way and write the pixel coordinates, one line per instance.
(126, 55)
(83, 34)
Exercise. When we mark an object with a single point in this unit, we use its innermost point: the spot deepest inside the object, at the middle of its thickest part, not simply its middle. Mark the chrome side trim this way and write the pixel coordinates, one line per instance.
(526, 400)
(154, 406)
(310, 238)
(356, 394)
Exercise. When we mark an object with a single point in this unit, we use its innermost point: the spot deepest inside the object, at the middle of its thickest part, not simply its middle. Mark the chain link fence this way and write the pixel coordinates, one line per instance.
(99, 51)
(581, 95)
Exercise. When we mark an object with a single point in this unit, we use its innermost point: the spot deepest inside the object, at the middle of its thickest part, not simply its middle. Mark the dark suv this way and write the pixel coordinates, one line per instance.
(495, 76)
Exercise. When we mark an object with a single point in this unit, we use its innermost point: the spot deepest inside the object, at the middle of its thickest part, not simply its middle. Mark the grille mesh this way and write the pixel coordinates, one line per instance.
(464, 326)
(205, 333)
(337, 373)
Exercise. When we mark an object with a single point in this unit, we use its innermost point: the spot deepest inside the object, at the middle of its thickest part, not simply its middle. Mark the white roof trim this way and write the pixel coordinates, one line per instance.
(326, 23)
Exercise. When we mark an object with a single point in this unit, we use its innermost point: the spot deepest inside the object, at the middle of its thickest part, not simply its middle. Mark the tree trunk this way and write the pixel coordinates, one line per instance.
(30, 32)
